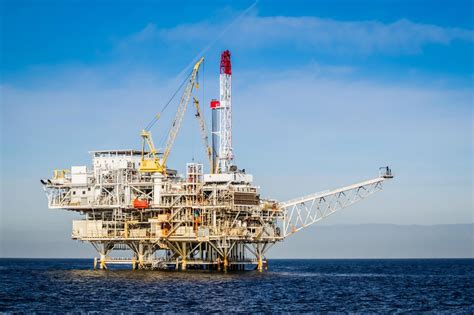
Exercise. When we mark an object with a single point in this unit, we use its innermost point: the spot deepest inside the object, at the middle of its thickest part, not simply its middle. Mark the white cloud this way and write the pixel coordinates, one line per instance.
(364, 37)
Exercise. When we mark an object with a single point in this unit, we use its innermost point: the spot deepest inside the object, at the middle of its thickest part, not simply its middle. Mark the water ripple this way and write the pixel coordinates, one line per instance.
(398, 286)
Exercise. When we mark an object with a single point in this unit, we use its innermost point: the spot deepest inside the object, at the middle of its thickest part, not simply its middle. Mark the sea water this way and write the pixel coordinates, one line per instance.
(345, 285)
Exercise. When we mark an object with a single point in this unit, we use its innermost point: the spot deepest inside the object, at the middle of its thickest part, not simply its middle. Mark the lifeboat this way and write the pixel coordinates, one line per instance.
(140, 204)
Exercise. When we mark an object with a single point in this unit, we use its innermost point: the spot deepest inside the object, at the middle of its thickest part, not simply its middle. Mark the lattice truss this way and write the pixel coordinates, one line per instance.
(302, 212)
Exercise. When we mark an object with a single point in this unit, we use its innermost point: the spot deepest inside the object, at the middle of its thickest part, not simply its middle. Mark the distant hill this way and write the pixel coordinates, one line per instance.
(379, 241)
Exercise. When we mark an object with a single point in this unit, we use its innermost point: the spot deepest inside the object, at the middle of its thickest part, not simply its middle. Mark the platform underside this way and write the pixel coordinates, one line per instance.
(171, 254)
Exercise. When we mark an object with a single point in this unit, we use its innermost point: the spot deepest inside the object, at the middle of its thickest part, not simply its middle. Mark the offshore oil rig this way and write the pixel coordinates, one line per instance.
(131, 200)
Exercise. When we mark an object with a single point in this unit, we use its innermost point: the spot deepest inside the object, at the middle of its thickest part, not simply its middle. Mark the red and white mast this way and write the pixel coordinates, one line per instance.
(224, 107)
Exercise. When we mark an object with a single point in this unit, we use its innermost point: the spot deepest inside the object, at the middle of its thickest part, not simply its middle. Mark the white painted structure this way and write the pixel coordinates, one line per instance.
(202, 221)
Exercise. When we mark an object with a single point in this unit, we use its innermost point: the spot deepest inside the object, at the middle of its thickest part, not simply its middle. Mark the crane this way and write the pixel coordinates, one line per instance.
(154, 164)
(204, 137)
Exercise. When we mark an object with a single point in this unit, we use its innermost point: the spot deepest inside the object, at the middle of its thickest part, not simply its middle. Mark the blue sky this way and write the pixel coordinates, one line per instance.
(54, 33)
(324, 93)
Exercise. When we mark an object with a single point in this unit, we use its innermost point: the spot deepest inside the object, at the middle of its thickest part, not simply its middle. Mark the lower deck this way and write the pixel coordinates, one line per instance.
(179, 264)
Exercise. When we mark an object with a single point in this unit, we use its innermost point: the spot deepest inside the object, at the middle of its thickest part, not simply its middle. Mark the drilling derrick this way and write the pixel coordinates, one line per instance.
(131, 200)
(225, 155)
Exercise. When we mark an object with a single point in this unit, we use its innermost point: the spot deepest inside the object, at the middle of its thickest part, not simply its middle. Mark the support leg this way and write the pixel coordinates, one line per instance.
(259, 263)
(103, 259)
(226, 263)
(103, 249)
(184, 262)
(141, 256)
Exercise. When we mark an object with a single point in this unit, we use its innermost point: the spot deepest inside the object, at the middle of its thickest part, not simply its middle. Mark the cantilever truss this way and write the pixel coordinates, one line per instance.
(302, 212)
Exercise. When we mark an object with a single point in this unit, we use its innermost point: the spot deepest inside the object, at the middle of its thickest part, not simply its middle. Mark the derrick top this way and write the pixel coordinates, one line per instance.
(225, 63)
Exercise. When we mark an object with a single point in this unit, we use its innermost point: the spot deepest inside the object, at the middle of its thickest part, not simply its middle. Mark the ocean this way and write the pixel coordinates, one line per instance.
(340, 285)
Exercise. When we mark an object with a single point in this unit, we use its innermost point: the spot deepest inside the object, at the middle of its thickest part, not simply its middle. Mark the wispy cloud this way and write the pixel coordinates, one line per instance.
(364, 37)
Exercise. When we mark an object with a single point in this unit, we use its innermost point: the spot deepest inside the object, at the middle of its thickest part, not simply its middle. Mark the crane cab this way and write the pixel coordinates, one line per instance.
(385, 172)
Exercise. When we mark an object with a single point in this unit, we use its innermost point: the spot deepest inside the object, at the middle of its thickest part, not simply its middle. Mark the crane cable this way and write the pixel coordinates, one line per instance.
(218, 37)
(157, 116)
(221, 34)
(164, 135)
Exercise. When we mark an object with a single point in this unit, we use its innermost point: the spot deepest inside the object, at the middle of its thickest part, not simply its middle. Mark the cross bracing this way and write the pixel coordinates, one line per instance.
(190, 221)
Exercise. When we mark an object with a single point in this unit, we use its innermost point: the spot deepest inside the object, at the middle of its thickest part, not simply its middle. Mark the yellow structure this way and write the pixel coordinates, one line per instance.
(154, 164)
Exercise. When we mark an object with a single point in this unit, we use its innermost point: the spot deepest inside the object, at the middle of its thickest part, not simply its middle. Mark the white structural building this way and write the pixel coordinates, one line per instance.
(215, 221)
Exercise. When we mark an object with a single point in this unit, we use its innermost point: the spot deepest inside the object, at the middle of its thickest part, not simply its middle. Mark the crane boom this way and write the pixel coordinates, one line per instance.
(154, 165)
(183, 104)
(302, 212)
(204, 136)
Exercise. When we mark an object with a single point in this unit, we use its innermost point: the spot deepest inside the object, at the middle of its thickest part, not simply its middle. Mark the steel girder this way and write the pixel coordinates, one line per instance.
(302, 212)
